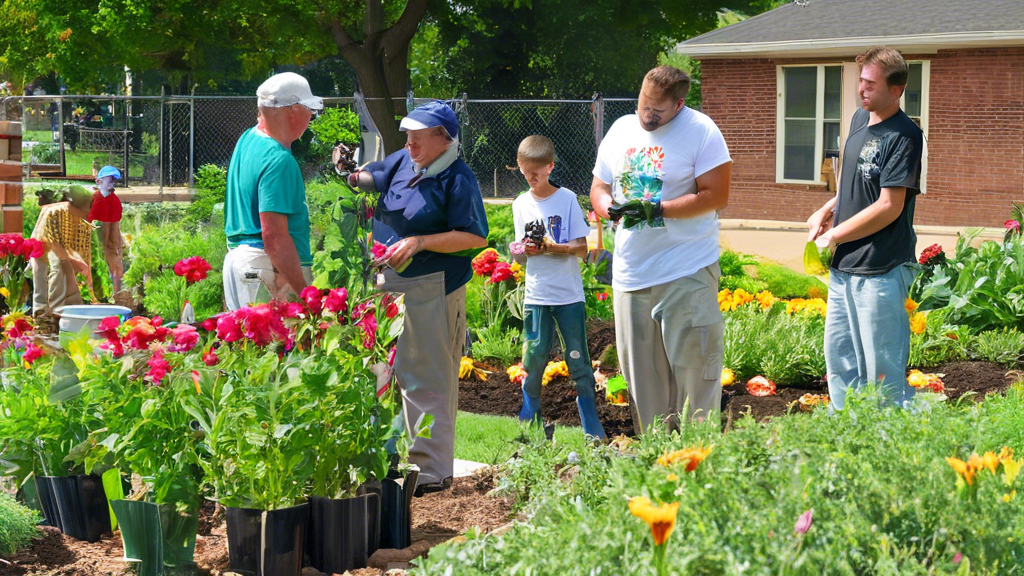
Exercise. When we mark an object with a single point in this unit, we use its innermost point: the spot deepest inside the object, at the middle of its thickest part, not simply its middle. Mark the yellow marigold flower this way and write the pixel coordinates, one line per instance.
(672, 478)
(815, 292)
(918, 323)
(910, 305)
(1005, 453)
(517, 271)
(691, 457)
(766, 299)
(552, 371)
(5, 292)
(1009, 497)
(661, 519)
(728, 376)
(468, 368)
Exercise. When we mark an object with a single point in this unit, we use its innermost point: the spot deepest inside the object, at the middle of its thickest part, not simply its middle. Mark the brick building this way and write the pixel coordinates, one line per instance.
(782, 87)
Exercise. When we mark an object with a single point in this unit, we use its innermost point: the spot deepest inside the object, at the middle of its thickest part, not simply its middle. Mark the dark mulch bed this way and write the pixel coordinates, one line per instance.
(436, 519)
(501, 397)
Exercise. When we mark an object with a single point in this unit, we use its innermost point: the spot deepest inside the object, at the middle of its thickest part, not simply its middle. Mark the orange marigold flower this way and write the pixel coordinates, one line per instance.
(661, 519)
(691, 457)
(910, 305)
(918, 323)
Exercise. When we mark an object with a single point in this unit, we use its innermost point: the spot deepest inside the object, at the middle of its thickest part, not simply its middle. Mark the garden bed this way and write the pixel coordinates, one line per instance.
(501, 397)
(436, 519)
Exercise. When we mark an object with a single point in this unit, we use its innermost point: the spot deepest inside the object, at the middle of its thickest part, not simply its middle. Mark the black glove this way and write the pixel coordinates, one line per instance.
(616, 211)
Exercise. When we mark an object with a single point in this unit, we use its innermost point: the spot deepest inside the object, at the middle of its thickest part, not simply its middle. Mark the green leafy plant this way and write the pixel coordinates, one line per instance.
(1005, 346)
(785, 348)
(941, 342)
(504, 346)
(500, 226)
(983, 287)
(330, 127)
(17, 525)
(598, 297)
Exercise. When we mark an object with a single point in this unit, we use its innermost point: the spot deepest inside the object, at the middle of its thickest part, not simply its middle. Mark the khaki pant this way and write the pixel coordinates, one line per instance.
(670, 344)
(53, 284)
(249, 278)
(427, 366)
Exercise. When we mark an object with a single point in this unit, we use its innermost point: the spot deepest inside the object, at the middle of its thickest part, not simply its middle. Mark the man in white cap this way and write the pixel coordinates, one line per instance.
(430, 214)
(266, 218)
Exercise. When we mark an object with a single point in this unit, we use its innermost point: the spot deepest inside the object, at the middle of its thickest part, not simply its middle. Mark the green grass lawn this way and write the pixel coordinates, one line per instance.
(493, 439)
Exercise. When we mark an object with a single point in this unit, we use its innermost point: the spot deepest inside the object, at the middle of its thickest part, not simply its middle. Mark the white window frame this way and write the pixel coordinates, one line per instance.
(819, 120)
(925, 83)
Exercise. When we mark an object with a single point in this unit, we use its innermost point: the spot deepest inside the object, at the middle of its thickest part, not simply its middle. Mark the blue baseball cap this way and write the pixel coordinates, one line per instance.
(430, 115)
(109, 171)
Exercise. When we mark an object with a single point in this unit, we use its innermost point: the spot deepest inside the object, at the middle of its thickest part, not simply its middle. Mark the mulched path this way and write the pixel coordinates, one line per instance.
(436, 519)
(501, 397)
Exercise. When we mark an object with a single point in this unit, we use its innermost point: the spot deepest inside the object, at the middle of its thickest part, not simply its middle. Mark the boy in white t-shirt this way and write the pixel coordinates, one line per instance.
(551, 224)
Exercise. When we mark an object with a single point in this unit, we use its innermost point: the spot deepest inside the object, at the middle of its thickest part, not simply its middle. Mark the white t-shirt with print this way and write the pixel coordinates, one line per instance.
(552, 279)
(665, 163)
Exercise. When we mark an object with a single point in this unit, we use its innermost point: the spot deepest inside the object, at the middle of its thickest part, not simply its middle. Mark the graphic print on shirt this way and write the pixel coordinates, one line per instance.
(867, 162)
(555, 228)
(642, 176)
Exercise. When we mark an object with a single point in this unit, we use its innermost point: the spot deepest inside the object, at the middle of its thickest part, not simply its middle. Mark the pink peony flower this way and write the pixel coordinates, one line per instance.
(210, 324)
(228, 328)
(158, 368)
(369, 326)
(185, 338)
(32, 353)
(210, 357)
(192, 269)
(1012, 225)
(803, 523)
(314, 299)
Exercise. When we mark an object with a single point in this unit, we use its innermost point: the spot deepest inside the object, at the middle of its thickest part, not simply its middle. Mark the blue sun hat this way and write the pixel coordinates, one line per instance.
(109, 171)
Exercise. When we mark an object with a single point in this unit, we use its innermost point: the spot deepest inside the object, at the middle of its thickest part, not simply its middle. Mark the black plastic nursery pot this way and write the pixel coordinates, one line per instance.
(267, 542)
(342, 532)
(157, 538)
(47, 501)
(396, 508)
(81, 505)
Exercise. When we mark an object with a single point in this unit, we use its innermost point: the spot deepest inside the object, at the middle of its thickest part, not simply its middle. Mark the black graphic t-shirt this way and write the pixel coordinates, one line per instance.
(885, 155)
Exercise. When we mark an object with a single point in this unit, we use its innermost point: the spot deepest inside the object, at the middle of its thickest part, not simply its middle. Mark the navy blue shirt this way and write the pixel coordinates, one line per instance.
(451, 200)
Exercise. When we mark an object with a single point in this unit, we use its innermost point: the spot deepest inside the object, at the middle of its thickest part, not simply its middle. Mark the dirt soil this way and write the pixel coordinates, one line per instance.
(436, 519)
(501, 397)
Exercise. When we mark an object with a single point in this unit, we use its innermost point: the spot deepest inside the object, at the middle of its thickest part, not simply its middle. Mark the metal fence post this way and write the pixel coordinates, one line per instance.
(598, 119)
(192, 140)
(160, 143)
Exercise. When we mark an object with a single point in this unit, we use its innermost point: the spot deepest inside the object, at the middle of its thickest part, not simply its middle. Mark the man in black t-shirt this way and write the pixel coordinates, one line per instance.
(869, 227)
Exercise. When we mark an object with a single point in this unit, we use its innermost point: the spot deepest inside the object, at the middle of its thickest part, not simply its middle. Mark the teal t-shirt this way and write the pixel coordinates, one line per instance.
(263, 176)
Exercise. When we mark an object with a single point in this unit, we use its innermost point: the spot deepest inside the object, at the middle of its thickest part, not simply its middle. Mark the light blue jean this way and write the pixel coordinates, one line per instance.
(539, 330)
(867, 334)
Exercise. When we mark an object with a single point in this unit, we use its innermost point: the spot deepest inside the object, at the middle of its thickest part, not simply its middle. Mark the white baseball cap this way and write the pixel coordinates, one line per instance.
(286, 89)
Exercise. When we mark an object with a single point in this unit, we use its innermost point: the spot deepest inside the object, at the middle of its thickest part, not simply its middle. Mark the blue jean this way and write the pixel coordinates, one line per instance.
(867, 334)
(539, 331)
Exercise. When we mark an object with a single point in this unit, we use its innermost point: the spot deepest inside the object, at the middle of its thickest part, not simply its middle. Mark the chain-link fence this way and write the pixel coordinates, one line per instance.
(162, 141)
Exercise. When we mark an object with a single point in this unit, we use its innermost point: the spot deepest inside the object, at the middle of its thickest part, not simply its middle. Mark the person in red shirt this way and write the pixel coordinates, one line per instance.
(106, 209)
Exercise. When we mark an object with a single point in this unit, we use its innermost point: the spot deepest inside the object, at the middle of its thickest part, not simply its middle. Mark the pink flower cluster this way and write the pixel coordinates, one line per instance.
(192, 269)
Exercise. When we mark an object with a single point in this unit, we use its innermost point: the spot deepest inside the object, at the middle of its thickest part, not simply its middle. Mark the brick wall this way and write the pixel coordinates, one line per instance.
(975, 137)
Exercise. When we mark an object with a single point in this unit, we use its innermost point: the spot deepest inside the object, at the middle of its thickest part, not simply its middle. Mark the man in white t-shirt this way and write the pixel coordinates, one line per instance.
(668, 326)
(551, 223)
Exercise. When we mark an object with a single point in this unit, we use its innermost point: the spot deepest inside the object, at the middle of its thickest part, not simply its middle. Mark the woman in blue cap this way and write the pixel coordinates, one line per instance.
(106, 209)
(429, 211)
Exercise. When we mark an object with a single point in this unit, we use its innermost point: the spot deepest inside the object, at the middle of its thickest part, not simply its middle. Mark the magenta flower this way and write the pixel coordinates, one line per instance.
(1012, 225)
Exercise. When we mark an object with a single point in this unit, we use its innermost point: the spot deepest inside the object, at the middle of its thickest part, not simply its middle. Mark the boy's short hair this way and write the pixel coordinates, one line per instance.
(897, 72)
(668, 81)
(536, 149)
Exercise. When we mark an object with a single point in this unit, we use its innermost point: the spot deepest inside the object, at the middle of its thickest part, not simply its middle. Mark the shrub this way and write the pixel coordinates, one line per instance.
(211, 185)
(206, 296)
(501, 227)
(332, 126)
(495, 343)
(17, 525)
(786, 283)
(940, 343)
(1004, 346)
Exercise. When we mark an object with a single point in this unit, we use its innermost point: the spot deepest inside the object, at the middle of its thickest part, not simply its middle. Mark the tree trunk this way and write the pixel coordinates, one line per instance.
(381, 62)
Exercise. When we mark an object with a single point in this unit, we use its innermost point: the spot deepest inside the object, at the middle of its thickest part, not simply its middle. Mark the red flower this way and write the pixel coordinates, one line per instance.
(31, 248)
(378, 250)
(185, 338)
(115, 347)
(391, 356)
(158, 368)
(314, 299)
(502, 272)
(192, 269)
(108, 328)
(392, 310)
(32, 353)
(362, 309)
(337, 300)
(143, 332)
(483, 263)
(1012, 225)
(369, 326)
(210, 357)
(210, 324)
(20, 328)
(932, 255)
(228, 328)
(602, 296)
(262, 325)
(292, 310)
